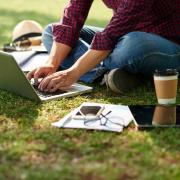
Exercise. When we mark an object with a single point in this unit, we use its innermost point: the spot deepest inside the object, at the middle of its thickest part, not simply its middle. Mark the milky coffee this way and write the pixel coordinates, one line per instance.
(164, 115)
(166, 86)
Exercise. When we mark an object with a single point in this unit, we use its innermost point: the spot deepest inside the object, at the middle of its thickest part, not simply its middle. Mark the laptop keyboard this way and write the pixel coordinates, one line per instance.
(47, 94)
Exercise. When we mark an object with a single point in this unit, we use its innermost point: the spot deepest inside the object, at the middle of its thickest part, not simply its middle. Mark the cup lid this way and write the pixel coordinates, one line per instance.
(167, 72)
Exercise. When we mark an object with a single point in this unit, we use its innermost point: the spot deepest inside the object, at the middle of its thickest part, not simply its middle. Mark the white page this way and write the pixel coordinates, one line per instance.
(29, 60)
(119, 114)
(23, 56)
(35, 61)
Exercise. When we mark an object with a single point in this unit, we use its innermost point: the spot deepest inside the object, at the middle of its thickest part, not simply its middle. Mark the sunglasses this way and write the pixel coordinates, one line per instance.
(22, 45)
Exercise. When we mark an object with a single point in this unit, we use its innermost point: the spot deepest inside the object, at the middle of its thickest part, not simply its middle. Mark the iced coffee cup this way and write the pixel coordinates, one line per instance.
(164, 115)
(166, 86)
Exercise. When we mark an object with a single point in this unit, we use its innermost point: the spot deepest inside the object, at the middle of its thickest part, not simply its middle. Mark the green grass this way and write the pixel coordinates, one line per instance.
(30, 148)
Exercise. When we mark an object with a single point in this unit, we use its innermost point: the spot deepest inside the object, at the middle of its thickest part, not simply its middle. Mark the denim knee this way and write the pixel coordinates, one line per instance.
(47, 31)
(136, 39)
(132, 48)
(47, 37)
(126, 50)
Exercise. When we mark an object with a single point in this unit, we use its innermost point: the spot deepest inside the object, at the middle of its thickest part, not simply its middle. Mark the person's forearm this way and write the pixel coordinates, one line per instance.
(89, 60)
(58, 52)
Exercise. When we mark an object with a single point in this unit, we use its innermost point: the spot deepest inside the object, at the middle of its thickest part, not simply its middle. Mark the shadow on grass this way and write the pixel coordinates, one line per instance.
(166, 138)
(137, 96)
(18, 109)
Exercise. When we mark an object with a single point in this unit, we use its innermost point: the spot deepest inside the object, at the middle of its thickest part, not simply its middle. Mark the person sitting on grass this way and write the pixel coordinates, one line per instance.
(142, 36)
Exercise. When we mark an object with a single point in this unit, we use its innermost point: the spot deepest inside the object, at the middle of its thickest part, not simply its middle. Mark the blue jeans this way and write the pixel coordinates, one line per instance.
(135, 52)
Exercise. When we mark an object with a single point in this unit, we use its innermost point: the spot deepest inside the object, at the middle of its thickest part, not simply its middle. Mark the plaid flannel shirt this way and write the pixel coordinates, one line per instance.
(161, 17)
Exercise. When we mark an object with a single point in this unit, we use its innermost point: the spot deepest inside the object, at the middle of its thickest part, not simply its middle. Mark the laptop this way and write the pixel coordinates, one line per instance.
(150, 116)
(14, 80)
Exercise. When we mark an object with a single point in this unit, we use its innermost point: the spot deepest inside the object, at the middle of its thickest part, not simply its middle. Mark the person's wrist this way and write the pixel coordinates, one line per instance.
(75, 71)
(52, 63)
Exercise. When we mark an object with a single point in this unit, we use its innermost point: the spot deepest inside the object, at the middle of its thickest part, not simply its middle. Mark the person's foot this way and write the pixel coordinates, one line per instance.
(120, 81)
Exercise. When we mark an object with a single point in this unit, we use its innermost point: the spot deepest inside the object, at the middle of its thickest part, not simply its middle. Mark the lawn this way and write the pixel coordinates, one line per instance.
(30, 148)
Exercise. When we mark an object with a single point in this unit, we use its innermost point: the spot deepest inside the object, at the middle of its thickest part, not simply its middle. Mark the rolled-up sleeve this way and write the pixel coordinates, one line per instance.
(127, 17)
(75, 14)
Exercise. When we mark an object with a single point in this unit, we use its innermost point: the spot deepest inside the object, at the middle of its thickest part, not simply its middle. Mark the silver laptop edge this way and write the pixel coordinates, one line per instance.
(13, 79)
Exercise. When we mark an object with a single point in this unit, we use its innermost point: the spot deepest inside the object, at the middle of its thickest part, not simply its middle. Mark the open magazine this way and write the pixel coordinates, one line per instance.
(107, 117)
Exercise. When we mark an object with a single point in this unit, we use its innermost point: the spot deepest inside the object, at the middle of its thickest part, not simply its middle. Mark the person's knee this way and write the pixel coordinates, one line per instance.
(136, 34)
(133, 38)
(47, 37)
(129, 48)
(47, 32)
(129, 44)
(48, 29)
(138, 43)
